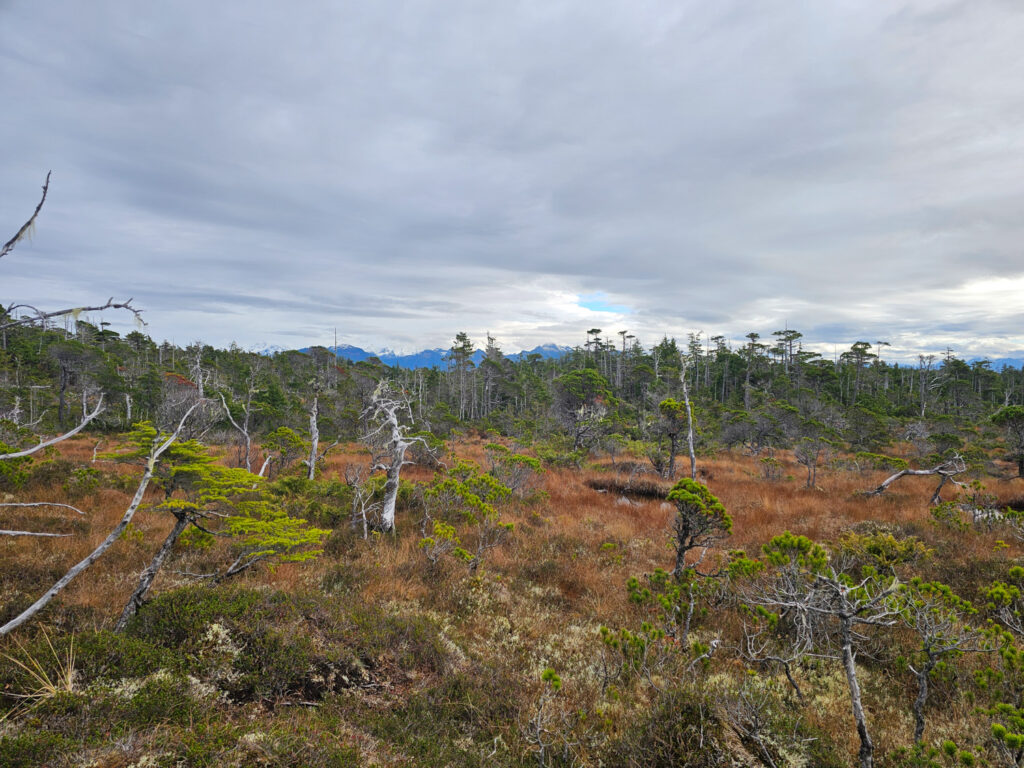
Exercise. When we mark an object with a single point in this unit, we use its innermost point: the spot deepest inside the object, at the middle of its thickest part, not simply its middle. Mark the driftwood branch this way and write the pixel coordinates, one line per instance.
(41, 504)
(60, 438)
(32, 533)
(26, 228)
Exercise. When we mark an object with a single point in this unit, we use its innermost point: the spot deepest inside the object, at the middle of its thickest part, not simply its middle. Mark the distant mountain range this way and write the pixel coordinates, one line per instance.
(425, 358)
(429, 358)
(998, 363)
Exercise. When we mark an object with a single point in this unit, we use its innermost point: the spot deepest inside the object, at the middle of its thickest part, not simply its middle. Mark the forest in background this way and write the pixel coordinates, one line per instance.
(688, 554)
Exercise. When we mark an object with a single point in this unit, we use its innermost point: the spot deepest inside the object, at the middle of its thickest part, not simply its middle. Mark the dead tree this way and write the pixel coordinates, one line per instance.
(37, 314)
(363, 504)
(389, 440)
(947, 471)
(689, 418)
(243, 428)
(159, 446)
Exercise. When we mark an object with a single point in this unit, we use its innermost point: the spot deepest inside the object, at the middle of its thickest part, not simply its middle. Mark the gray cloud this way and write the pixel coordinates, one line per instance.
(402, 171)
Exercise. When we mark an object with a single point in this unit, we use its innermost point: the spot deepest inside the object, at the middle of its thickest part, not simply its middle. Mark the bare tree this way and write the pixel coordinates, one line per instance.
(830, 610)
(363, 504)
(389, 441)
(245, 427)
(689, 417)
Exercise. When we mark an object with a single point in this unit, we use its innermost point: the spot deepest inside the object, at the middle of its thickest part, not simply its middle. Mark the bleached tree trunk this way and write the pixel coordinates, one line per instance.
(314, 437)
(386, 408)
(689, 422)
(947, 470)
(266, 465)
(155, 452)
(391, 486)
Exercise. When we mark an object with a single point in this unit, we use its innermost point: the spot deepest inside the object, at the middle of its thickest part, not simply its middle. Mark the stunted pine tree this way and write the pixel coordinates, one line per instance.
(217, 500)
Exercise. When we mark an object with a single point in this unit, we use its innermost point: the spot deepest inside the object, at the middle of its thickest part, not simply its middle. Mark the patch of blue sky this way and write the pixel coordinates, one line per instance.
(598, 302)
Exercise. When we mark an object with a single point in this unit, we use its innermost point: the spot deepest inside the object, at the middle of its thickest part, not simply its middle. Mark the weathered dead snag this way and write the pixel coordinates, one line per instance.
(947, 472)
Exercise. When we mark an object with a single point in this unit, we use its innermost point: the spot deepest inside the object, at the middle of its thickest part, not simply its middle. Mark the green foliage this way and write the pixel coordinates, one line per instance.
(82, 482)
(551, 677)
(196, 488)
(692, 498)
(788, 549)
(771, 468)
(33, 748)
(882, 550)
(701, 521)
(949, 514)
(13, 472)
(878, 461)
(444, 540)
(285, 446)
(474, 496)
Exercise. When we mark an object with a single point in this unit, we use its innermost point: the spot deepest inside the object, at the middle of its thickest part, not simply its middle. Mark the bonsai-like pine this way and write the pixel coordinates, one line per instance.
(701, 522)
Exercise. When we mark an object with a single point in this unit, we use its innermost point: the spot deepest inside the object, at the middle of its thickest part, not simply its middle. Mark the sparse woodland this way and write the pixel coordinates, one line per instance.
(236, 560)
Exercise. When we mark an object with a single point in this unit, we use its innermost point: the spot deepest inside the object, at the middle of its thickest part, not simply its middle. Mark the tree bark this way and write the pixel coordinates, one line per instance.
(689, 426)
(946, 470)
(314, 436)
(867, 748)
(148, 575)
(922, 698)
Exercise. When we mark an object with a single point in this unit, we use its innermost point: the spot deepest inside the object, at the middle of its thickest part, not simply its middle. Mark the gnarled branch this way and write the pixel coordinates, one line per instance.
(26, 228)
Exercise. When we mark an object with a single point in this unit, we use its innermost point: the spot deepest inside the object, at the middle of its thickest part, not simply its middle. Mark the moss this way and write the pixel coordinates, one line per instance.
(411, 641)
(33, 748)
(453, 723)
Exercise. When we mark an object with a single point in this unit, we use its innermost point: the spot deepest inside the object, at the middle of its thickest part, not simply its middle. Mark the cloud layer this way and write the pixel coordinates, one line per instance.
(404, 170)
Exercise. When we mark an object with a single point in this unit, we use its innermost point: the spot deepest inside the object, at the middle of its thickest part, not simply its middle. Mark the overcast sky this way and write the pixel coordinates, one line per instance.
(266, 172)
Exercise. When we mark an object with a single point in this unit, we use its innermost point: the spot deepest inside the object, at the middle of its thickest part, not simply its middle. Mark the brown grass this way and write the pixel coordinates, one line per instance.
(541, 597)
(594, 540)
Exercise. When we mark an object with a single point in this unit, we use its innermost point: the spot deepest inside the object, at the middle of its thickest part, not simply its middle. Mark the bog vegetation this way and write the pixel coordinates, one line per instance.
(688, 554)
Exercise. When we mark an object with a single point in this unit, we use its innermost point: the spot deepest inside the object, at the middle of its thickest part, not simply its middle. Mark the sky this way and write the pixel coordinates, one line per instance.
(273, 173)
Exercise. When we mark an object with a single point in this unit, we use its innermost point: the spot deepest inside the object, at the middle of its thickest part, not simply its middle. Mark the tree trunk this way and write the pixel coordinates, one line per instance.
(922, 698)
(669, 471)
(689, 428)
(867, 748)
(148, 575)
(314, 437)
(391, 485)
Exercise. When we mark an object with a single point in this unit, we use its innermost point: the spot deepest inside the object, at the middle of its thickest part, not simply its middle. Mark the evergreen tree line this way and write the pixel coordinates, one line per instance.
(603, 394)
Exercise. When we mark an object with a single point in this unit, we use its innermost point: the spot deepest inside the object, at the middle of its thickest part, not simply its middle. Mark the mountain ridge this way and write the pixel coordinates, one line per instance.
(427, 358)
